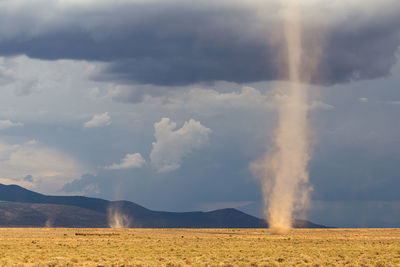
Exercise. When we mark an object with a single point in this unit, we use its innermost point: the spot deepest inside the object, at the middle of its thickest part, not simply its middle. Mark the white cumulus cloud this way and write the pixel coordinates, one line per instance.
(129, 161)
(98, 120)
(172, 145)
(5, 124)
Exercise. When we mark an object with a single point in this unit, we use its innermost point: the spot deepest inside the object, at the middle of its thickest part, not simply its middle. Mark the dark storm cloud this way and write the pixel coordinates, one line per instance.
(364, 52)
(174, 43)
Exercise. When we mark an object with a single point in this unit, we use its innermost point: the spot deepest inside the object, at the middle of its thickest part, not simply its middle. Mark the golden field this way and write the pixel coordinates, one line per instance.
(199, 247)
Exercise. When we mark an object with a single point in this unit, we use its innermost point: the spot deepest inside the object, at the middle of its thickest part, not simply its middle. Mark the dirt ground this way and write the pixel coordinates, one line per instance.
(199, 247)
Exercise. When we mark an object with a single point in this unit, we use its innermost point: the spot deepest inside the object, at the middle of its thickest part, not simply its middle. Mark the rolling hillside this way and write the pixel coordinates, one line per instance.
(20, 207)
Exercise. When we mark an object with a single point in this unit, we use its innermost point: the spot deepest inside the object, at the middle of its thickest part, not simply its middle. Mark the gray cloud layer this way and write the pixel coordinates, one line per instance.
(175, 43)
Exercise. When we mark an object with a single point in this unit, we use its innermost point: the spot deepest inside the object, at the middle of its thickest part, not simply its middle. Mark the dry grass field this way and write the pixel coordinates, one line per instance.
(199, 247)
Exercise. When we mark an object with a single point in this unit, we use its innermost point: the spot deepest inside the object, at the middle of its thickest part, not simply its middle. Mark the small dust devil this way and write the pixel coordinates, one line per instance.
(283, 171)
(116, 217)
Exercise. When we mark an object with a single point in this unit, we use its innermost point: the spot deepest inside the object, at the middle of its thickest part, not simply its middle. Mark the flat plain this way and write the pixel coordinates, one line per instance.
(198, 247)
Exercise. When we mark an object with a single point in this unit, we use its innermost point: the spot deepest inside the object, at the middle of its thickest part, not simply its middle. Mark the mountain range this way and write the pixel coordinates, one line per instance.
(20, 207)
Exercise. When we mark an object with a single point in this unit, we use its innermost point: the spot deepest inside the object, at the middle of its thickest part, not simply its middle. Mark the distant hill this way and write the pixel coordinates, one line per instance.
(20, 207)
(16, 214)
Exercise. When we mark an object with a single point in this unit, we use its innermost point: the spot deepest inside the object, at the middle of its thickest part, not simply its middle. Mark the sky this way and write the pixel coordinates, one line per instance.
(167, 102)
